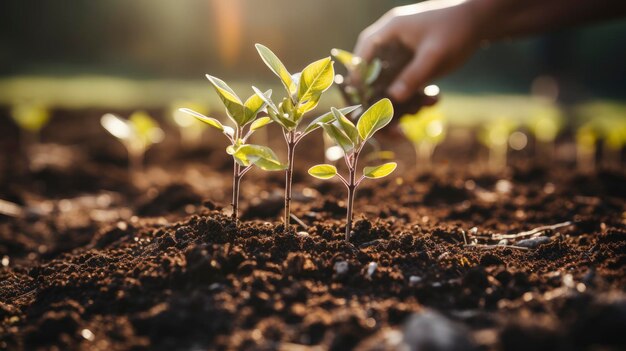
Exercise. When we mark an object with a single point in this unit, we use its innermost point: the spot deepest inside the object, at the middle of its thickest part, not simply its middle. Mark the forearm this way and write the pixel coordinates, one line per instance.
(498, 19)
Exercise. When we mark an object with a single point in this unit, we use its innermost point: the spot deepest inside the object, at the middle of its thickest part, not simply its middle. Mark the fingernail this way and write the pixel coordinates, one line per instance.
(398, 90)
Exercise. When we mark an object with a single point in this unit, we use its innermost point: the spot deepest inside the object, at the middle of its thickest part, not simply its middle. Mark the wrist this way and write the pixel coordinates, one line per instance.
(488, 18)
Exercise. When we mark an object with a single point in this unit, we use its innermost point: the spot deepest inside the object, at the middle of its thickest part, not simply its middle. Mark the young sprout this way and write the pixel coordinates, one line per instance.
(352, 138)
(545, 124)
(425, 130)
(304, 91)
(586, 141)
(190, 130)
(357, 92)
(31, 118)
(495, 136)
(609, 125)
(137, 133)
(244, 117)
(614, 135)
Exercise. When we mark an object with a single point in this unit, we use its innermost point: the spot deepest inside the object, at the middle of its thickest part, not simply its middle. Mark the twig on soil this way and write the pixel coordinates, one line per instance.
(299, 221)
(485, 246)
(530, 232)
(11, 209)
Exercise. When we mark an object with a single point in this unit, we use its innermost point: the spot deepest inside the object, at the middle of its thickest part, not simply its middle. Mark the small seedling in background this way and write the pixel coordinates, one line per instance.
(352, 138)
(425, 130)
(31, 118)
(606, 124)
(545, 124)
(586, 140)
(304, 91)
(190, 130)
(357, 92)
(244, 116)
(614, 135)
(495, 136)
(137, 133)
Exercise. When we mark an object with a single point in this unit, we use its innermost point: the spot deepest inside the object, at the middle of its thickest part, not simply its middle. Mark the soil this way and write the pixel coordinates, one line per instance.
(97, 261)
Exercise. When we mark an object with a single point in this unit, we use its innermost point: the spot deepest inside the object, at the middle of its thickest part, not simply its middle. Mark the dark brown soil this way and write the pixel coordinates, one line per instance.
(100, 263)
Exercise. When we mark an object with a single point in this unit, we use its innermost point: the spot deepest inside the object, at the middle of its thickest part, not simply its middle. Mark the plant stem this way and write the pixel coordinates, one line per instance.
(237, 174)
(352, 183)
(135, 162)
(236, 182)
(291, 148)
(351, 192)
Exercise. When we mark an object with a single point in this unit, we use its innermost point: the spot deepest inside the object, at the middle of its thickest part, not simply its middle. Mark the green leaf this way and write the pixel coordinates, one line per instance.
(261, 156)
(373, 71)
(208, 120)
(234, 106)
(323, 171)
(338, 136)
(309, 105)
(267, 98)
(272, 61)
(379, 171)
(231, 149)
(260, 123)
(346, 58)
(375, 118)
(146, 128)
(315, 79)
(327, 118)
(283, 121)
(30, 117)
(254, 105)
(346, 125)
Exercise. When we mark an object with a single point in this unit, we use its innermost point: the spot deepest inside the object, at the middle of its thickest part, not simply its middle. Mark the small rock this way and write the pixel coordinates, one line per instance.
(414, 280)
(533, 242)
(303, 234)
(371, 268)
(432, 331)
(87, 334)
(341, 267)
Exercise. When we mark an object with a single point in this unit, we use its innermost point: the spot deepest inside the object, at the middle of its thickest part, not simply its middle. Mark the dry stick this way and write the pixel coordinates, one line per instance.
(299, 221)
(530, 232)
(483, 246)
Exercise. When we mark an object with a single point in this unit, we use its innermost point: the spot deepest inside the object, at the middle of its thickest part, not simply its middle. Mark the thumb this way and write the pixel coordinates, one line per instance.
(414, 76)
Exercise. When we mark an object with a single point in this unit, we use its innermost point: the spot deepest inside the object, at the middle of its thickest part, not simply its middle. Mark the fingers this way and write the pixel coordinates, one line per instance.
(415, 75)
(371, 38)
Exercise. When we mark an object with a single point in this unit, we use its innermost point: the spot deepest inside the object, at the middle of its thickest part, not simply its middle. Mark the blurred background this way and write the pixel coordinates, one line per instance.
(42, 41)
(63, 62)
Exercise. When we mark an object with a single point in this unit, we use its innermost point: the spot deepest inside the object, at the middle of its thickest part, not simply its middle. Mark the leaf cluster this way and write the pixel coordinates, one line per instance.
(244, 116)
(351, 138)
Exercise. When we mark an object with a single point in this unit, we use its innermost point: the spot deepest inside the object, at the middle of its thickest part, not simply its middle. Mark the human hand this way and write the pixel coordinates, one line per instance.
(442, 34)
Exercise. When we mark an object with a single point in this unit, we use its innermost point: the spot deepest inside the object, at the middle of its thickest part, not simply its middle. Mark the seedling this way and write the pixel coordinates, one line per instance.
(425, 130)
(365, 74)
(137, 133)
(495, 135)
(545, 124)
(30, 118)
(304, 91)
(351, 139)
(244, 117)
(586, 140)
(190, 130)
